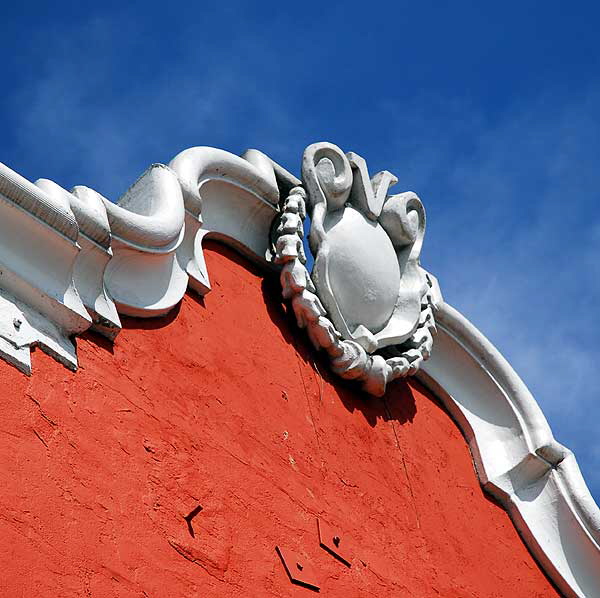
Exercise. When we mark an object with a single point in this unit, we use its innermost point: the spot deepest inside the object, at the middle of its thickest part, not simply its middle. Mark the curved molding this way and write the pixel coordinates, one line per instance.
(39, 302)
(196, 165)
(52, 211)
(147, 225)
(226, 197)
(95, 252)
(517, 459)
(73, 260)
(150, 214)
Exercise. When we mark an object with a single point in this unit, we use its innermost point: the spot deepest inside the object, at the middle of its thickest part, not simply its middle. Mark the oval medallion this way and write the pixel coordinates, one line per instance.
(362, 269)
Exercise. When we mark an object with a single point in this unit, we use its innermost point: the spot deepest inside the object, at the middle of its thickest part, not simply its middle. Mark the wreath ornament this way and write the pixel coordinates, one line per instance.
(367, 303)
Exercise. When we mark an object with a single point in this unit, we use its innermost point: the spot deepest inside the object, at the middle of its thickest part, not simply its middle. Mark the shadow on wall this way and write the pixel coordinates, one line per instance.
(399, 403)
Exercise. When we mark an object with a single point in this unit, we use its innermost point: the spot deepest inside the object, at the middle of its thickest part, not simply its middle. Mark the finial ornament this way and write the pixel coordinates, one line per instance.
(367, 303)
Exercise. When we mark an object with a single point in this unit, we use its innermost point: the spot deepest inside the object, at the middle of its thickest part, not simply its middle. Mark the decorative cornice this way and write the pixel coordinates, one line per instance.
(53, 211)
(38, 250)
(517, 459)
(225, 197)
(349, 359)
(94, 240)
(147, 225)
(73, 260)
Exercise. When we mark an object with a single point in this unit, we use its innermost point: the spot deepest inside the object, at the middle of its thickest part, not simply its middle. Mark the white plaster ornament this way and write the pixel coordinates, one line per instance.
(367, 303)
(74, 260)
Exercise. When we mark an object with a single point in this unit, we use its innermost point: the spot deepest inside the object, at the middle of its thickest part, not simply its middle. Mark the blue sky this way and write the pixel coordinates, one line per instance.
(489, 111)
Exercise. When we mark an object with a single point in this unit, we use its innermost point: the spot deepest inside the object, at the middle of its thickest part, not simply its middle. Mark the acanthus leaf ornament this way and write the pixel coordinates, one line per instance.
(367, 303)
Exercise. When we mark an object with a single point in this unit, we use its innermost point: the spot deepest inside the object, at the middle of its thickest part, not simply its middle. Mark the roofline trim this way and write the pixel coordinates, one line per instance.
(73, 260)
(517, 459)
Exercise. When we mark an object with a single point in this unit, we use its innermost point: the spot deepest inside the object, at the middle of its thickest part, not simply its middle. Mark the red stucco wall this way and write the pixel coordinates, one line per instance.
(222, 404)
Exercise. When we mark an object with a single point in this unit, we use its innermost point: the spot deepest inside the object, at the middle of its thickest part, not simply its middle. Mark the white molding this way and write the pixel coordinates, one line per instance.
(516, 457)
(74, 260)
(226, 197)
(147, 225)
(71, 260)
(38, 250)
(95, 252)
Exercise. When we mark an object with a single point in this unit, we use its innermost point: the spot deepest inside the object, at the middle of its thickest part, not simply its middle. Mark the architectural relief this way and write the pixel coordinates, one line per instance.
(73, 260)
(367, 291)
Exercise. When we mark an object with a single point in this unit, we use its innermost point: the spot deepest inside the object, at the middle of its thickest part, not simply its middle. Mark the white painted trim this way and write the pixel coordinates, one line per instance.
(74, 260)
(39, 303)
(226, 197)
(517, 459)
(70, 260)
(94, 240)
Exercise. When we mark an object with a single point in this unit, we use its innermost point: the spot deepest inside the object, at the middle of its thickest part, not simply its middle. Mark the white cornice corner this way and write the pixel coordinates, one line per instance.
(38, 251)
(516, 457)
(75, 260)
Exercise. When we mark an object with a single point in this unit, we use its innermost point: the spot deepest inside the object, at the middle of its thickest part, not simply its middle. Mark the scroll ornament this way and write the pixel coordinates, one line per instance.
(367, 303)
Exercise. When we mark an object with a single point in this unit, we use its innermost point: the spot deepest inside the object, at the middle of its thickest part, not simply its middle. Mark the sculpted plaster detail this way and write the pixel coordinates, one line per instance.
(225, 197)
(95, 252)
(367, 292)
(144, 276)
(517, 459)
(40, 305)
(73, 260)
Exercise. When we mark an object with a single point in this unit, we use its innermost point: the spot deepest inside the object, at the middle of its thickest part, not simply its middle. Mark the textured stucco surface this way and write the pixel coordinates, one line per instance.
(222, 404)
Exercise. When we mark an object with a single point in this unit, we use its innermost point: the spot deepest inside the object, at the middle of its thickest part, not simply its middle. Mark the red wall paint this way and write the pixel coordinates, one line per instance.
(223, 404)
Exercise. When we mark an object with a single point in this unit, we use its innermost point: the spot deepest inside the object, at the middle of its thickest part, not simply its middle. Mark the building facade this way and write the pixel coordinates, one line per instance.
(194, 408)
